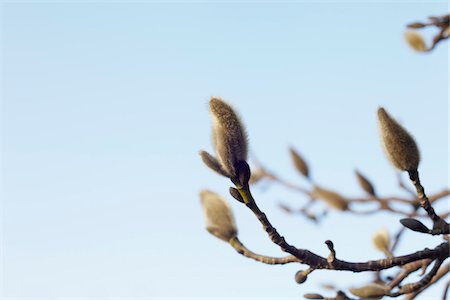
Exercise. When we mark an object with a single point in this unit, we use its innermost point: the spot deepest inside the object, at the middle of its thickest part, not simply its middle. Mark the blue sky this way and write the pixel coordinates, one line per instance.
(104, 110)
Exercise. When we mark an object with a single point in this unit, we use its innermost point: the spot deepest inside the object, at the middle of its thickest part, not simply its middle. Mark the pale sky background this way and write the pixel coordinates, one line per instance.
(104, 110)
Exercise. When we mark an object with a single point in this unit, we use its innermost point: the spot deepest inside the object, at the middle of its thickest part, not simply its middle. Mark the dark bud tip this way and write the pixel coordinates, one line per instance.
(414, 225)
(243, 174)
(300, 277)
(236, 195)
(329, 244)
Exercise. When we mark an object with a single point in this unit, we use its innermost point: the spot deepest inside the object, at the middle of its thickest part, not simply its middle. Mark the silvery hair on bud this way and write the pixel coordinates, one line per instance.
(229, 136)
(218, 216)
(399, 145)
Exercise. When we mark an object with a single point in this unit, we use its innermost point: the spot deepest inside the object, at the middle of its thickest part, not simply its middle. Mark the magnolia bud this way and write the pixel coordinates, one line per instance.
(212, 163)
(299, 163)
(218, 216)
(236, 195)
(313, 296)
(365, 184)
(333, 199)
(414, 225)
(381, 240)
(301, 276)
(229, 137)
(371, 291)
(399, 145)
(416, 41)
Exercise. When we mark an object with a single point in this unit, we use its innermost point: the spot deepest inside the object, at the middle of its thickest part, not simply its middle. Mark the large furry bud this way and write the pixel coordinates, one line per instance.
(229, 137)
(399, 145)
(416, 41)
(218, 216)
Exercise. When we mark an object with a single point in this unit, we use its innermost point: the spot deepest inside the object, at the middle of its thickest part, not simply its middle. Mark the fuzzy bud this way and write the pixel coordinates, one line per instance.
(212, 163)
(229, 137)
(299, 163)
(416, 41)
(365, 184)
(333, 199)
(399, 145)
(370, 291)
(218, 216)
(381, 240)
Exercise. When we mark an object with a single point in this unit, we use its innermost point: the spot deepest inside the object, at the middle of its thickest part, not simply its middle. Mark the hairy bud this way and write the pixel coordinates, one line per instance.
(416, 41)
(229, 137)
(370, 291)
(212, 163)
(299, 163)
(399, 145)
(365, 184)
(333, 199)
(218, 216)
(381, 240)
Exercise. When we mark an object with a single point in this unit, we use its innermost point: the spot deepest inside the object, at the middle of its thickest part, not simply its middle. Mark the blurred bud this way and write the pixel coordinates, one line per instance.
(416, 41)
(218, 216)
(381, 240)
(257, 175)
(299, 163)
(229, 137)
(212, 163)
(399, 145)
(313, 296)
(285, 208)
(333, 199)
(416, 25)
(414, 225)
(236, 195)
(371, 291)
(365, 184)
(301, 276)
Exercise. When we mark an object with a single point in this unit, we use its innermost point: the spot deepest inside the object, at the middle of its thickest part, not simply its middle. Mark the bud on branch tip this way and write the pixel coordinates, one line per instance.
(229, 136)
(399, 145)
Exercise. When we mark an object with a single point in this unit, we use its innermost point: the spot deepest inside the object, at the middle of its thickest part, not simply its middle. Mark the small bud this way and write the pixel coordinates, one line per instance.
(371, 291)
(299, 163)
(333, 199)
(229, 137)
(285, 208)
(236, 195)
(212, 163)
(414, 225)
(301, 277)
(365, 184)
(218, 216)
(313, 296)
(243, 173)
(416, 41)
(381, 240)
(416, 25)
(399, 145)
